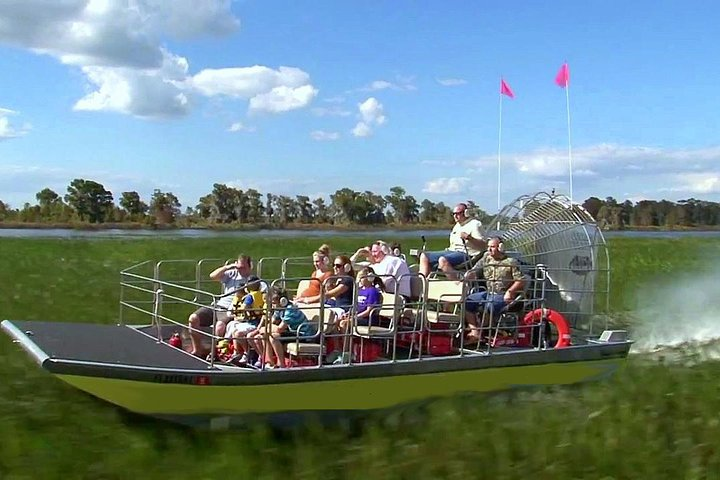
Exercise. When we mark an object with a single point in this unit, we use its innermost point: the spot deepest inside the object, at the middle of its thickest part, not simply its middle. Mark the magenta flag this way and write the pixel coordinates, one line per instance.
(563, 76)
(505, 89)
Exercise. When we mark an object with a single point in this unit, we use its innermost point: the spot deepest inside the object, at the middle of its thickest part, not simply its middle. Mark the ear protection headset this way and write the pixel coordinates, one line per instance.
(282, 299)
(347, 267)
(384, 248)
(501, 246)
(396, 251)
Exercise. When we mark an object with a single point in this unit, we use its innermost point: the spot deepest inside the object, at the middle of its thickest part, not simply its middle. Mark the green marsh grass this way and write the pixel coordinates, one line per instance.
(654, 419)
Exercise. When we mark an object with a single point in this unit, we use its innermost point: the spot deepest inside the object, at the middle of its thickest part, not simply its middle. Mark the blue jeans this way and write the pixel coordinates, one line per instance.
(493, 302)
(453, 257)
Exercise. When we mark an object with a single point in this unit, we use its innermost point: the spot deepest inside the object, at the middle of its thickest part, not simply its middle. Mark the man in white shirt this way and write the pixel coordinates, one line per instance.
(466, 241)
(393, 270)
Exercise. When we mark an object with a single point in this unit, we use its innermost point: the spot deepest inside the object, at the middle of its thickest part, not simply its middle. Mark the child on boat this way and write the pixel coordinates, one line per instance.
(369, 301)
(247, 309)
(287, 320)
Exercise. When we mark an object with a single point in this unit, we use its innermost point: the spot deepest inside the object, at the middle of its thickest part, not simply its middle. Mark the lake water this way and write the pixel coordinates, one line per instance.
(199, 233)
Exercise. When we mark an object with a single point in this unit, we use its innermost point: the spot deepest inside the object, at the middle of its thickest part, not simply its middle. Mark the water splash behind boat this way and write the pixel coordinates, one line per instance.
(680, 319)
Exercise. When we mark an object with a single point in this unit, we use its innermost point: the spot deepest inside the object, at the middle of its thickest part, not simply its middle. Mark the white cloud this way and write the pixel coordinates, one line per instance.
(240, 127)
(8, 129)
(608, 160)
(118, 46)
(371, 114)
(153, 93)
(698, 183)
(334, 111)
(283, 99)
(362, 129)
(281, 90)
(451, 82)
(447, 186)
(401, 84)
(321, 135)
(336, 99)
(372, 111)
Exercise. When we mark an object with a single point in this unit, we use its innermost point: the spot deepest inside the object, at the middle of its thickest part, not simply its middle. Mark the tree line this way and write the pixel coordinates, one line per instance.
(89, 202)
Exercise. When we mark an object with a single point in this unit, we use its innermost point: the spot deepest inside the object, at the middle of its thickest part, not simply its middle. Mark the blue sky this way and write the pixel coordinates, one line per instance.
(304, 98)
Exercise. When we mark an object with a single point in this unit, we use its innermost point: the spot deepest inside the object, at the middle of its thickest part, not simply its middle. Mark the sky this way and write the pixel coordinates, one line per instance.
(308, 97)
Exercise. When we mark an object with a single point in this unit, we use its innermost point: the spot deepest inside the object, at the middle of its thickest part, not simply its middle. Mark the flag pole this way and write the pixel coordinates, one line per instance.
(504, 90)
(570, 162)
(562, 79)
(498, 158)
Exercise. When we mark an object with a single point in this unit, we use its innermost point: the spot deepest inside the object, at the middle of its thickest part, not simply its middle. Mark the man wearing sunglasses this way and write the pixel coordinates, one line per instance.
(466, 241)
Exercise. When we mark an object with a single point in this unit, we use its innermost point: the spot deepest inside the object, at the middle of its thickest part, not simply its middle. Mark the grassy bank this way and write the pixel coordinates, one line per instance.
(653, 420)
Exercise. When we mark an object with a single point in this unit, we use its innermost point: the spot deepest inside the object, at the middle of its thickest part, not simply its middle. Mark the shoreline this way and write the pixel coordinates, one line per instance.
(294, 226)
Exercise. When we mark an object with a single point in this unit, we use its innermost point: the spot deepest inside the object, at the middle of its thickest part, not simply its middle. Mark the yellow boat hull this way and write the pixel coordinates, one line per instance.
(347, 394)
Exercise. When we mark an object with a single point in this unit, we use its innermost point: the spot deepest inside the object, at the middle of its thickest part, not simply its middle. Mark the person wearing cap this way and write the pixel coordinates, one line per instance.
(232, 277)
(466, 241)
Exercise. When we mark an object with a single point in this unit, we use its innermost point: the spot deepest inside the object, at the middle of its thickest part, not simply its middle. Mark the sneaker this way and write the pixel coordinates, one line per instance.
(344, 358)
(257, 364)
(332, 356)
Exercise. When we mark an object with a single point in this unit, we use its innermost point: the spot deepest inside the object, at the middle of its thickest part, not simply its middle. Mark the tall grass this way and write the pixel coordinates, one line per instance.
(654, 419)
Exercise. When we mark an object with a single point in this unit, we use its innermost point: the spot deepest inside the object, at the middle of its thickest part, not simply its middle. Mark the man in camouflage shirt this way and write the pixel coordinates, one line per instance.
(504, 282)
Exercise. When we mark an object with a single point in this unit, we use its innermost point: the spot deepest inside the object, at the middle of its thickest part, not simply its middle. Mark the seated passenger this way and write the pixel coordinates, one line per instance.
(339, 290)
(247, 310)
(232, 276)
(466, 241)
(321, 262)
(370, 288)
(504, 282)
(287, 320)
(393, 270)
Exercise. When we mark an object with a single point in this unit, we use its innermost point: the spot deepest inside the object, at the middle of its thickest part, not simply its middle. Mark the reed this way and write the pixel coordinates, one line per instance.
(654, 419)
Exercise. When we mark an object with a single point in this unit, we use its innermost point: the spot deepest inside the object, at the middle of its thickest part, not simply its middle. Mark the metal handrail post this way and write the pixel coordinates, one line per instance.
(156, 313)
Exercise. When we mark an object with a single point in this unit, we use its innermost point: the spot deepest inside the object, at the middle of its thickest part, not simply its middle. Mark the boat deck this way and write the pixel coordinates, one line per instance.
(108, 344)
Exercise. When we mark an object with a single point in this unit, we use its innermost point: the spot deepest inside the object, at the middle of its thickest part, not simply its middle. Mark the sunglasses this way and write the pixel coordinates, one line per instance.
(338, 265)
(459, 213)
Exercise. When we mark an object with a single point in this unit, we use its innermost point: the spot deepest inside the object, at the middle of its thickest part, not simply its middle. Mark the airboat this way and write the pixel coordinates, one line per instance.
(555, 333)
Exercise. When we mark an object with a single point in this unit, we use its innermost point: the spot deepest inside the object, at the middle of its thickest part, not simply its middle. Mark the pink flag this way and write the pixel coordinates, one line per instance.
(505, 89)
(563, 76)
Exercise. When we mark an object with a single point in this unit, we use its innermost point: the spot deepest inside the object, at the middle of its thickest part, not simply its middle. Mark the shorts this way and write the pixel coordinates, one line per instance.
(373, 320)
(238, 327)
(494, 302)
(453, 257)
(205, 315)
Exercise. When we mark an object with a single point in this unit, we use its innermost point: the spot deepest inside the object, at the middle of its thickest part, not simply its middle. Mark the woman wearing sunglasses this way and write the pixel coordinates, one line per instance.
(340, 288)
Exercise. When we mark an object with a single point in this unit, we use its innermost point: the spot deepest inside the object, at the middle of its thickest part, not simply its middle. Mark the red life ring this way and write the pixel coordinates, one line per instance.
(556, 319)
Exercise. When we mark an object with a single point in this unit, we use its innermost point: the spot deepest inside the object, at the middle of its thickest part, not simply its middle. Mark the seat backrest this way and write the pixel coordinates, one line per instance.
(416, 287)
(444, 290)
(303, 285)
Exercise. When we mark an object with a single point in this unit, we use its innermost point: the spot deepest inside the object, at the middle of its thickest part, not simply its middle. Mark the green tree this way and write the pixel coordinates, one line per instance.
(255, 210)
(131, 203)
(5, 211)
(304, 208)
(405, 207)
(593, 205)
(320, 211)
(89, 199)
(165, 207)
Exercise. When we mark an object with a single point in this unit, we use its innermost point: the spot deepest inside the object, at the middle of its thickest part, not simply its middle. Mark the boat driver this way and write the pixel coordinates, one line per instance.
(466, 241)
